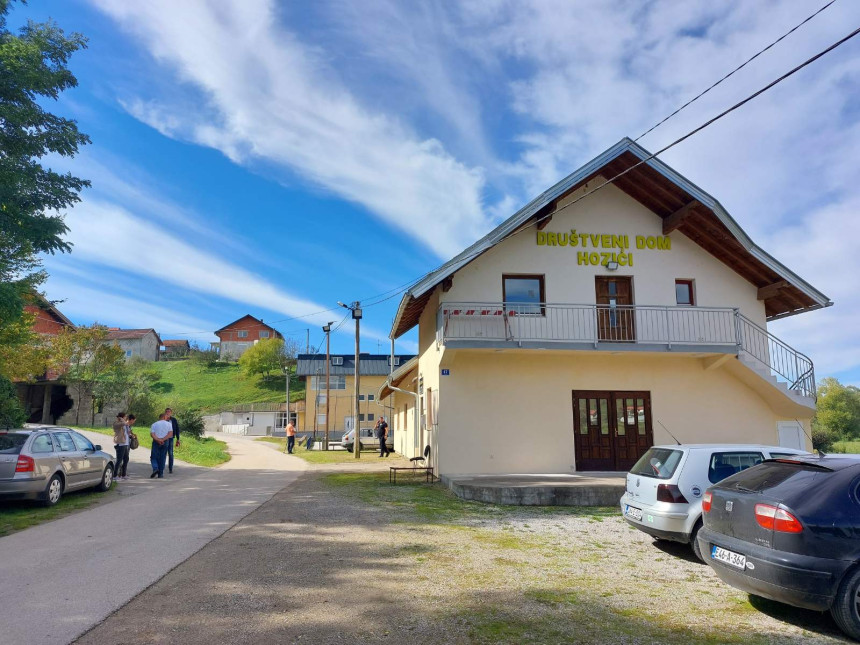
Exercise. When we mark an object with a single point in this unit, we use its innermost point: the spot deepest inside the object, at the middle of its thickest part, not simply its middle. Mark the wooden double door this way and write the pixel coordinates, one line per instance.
(611, 430)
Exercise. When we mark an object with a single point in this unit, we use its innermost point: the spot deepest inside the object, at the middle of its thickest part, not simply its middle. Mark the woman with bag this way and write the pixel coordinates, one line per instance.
(121, 440)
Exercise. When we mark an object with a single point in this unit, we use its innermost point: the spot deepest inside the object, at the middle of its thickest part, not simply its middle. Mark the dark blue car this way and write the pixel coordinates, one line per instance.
(789, 530)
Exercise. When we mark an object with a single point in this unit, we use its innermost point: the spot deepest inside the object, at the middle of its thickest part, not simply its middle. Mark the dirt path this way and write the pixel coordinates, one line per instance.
(326, 562)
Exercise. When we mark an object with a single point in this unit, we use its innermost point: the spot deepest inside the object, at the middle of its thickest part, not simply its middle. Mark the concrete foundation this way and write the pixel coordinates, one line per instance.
(592, 489)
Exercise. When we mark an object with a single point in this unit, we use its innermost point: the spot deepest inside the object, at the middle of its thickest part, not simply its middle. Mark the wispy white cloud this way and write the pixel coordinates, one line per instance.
(267, 98)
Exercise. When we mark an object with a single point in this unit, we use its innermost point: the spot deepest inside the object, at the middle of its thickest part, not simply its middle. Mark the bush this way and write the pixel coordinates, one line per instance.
(190, 422)
(12, 414)
(204, 357)
(822, 439)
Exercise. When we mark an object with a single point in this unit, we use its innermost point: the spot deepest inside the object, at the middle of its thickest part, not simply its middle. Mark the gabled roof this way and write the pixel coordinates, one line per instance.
(369, 364)
(130, 334)
(176, 343)
(245, 317)
(397, 377)
(667, 193)
(47, 306)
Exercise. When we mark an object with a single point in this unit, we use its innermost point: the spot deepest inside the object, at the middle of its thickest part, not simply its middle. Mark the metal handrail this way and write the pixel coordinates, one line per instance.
(520, 322)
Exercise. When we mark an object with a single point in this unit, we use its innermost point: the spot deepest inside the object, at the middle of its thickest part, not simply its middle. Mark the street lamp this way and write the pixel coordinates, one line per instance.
(355, 308)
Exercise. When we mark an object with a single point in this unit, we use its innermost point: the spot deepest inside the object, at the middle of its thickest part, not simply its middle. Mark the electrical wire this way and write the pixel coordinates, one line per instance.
(736, 69)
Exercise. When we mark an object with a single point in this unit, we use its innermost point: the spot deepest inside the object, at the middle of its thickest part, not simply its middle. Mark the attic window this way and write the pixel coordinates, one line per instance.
(242, 333)
(337, 360)
(396, 360)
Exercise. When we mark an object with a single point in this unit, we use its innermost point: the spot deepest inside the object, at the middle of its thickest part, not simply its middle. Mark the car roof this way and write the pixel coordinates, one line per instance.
(732, 446)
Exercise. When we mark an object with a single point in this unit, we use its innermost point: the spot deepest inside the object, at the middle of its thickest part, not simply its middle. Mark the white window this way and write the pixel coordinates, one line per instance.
(242, 334)
(321, 399)
(396, 360)
(321, 419)
(264, 334)
(337, 360)
(371, 397)
(336, 382)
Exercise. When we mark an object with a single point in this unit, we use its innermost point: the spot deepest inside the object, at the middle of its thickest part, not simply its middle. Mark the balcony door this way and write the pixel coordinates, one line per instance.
(611, 430)
(615, 314)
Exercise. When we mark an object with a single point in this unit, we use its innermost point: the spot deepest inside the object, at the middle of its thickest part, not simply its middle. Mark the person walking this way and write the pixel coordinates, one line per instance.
(382, 433)
(175, 425)
(291, 437)
(120, 440)
(161, 431)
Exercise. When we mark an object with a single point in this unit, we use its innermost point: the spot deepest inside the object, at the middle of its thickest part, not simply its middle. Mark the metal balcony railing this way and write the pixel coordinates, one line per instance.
(635, 326)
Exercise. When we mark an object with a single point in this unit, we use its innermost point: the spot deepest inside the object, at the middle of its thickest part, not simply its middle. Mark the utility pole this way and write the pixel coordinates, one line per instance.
(307, 341)
(287, 372)
(355, 308)
(327, 330)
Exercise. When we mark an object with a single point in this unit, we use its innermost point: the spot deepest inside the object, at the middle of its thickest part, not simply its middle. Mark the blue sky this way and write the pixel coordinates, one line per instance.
(273, 158)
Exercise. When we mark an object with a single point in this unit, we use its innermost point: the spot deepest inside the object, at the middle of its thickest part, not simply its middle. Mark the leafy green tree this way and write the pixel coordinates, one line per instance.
(12, 414)
(89, 363)
(267, 356)
(838, 412)
(33, 68)
(23, 353)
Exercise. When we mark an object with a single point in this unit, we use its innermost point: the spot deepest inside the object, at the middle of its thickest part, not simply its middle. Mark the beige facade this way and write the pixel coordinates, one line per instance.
(509, 388)
(342, 404)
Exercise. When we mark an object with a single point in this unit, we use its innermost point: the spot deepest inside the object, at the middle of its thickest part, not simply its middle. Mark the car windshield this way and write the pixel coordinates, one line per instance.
(658, 462)
(11, 444)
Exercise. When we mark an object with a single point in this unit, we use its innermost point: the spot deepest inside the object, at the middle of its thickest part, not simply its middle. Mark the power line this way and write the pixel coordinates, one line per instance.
(736, 69)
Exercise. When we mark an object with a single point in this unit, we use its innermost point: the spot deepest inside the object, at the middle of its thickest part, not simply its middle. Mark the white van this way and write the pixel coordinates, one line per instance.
(665, 487)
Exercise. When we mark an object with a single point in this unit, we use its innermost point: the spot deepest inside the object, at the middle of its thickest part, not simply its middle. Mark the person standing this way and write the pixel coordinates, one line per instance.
(291, 437)
(382, 433)
(175, 425)
(120, 440)
(161, 431)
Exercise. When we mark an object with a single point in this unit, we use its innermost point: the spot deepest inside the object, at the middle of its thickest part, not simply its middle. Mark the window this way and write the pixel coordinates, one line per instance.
(42, 443)
(336, 382)
(371, 397)
(82, 442)
(684, 293)
(242, 334)
(64, 441)
(524, 294)
(321, 420)
(128, 353)
(725, 464)
(264, 334)
(321, 399)
(337, 360)
(658, 462)
(11, 444)
(369, 417)
(366, 397)
(396, 361)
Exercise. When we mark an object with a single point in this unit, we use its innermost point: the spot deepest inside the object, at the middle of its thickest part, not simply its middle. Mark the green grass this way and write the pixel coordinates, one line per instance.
(17, 516)
(185, 384)
(200, 452)
(850, 447)
(318, 456)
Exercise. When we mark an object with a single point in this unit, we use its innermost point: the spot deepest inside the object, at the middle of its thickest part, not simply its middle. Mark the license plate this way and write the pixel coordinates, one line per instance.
(633, 512)
(729, 557)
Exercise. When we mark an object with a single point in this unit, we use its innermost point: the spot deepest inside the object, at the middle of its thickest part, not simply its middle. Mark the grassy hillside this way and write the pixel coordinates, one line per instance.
(186, 384)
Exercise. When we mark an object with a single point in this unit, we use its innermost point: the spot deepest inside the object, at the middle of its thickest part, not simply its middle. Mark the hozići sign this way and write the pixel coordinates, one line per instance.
(594, 241)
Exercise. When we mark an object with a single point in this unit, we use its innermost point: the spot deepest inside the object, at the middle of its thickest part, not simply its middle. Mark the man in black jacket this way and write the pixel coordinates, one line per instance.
(175, 437)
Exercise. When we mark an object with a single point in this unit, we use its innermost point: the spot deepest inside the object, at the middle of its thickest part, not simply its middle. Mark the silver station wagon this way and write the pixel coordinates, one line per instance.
(45, 463)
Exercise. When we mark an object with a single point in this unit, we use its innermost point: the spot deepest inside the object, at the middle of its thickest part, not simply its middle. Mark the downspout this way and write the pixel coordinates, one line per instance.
(414, 416)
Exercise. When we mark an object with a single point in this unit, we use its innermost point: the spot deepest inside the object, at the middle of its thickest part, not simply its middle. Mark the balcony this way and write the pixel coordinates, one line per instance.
(711, 330)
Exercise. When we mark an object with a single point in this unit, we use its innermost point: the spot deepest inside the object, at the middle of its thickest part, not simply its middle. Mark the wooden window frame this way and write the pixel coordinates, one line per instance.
(691, 286)
(541, 278)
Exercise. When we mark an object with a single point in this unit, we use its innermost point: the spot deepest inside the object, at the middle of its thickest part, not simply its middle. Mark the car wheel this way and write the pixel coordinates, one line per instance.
(107, 479)
(694, 540)
(348, 448)
(360, 446)
(53, 491)
(846, 605)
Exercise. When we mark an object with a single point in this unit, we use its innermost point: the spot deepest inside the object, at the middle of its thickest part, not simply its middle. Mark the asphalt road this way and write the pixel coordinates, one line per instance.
(59, 579)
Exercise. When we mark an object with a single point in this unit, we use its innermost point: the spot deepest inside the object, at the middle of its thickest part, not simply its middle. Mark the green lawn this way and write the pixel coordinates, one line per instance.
(19, 515)
(318, 456)
(200, 452)
(185, 384)
(850, 447)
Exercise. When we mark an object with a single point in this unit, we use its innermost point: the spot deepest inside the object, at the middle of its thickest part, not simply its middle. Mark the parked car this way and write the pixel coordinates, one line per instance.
(665, 487)
(367, 439)
(789, 530)
(45, 463)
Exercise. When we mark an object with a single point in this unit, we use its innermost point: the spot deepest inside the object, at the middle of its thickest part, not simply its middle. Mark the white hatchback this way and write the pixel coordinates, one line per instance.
(665, 487)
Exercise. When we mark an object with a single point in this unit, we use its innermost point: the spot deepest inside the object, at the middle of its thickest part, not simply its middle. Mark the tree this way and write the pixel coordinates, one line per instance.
(267, 356)
(12, 413)
(33, 67)
(23, 353)
(88, 363)
(838, 412)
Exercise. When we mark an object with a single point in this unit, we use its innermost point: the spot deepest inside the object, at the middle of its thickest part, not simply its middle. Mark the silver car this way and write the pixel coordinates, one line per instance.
(367, 439)
(45, 463)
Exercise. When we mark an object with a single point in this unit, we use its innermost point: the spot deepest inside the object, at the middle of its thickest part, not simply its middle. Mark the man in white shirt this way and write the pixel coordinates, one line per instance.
(161, 431)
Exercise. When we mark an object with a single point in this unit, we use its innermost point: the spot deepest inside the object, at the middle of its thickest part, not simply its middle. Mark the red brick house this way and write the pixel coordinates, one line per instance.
(49, 321)
(241, 334)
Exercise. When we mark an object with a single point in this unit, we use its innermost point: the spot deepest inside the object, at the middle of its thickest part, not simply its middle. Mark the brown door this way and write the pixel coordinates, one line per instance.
(611, 429)
(615, 314)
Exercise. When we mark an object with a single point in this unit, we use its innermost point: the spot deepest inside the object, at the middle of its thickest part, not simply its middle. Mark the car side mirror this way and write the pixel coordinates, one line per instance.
(97, 447)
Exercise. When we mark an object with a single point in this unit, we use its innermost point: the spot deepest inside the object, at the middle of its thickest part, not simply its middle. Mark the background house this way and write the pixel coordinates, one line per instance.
(175, 348)
(373, 368)
(239, 335)
(136, 342)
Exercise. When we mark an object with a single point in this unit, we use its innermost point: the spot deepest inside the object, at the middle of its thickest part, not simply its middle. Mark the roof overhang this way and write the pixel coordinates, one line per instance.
(668, 194)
